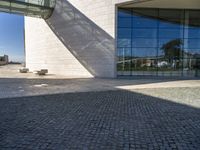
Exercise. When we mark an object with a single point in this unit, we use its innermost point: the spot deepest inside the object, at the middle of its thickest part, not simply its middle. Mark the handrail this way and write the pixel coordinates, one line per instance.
(36, 8)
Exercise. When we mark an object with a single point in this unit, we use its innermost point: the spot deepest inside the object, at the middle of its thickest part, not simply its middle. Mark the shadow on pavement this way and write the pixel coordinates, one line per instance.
(98, 120)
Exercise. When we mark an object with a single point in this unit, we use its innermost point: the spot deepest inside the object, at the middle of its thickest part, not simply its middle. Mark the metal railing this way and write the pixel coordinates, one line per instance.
(46, 3)
(35, 8)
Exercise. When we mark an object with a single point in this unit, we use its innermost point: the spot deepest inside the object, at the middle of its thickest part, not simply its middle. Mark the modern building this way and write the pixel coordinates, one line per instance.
(4, 60)
(110, 38)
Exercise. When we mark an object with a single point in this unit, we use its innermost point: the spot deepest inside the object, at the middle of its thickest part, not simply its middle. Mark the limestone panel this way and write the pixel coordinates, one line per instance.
(78, 39)
(45, 51)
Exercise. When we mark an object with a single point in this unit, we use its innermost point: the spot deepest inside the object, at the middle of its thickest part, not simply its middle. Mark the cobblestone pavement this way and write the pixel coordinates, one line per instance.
(184, 95)
(15, 87)
(98, 120)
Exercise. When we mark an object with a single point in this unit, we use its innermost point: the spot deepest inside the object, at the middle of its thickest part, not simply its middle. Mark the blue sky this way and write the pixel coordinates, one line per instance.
(12, 36)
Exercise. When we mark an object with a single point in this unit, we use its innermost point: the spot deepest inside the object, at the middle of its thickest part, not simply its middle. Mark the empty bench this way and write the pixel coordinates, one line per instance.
(42, 72)
(23, 70)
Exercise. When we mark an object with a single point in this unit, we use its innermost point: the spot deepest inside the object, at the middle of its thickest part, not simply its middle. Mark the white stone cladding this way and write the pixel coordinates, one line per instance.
(45, 50)
(78, 40)
(101, 12)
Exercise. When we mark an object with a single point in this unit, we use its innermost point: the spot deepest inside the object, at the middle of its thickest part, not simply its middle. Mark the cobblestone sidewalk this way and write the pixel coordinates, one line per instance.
(98, 120)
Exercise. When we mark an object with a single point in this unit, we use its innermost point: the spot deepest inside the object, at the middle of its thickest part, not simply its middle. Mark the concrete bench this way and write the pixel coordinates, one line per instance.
(23, 70)
(42, 72)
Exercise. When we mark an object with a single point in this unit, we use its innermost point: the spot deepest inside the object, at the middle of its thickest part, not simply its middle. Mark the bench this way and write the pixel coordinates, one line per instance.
(23, 70)
(42, 72)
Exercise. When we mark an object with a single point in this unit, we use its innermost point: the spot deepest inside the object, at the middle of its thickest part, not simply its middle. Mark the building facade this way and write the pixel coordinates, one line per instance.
(4, 60)
(110, 38)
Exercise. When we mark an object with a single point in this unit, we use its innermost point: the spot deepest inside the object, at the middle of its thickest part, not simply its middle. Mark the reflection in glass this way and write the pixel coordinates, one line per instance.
(143, 22)
(158, 42)
(124, 60)
(124, 22)
(124, 37)
(170, 33)
(144, 33)
(170, 62)
(144, 42)
(193, 33)
(192, 43)
(123, 13)
(144, 59)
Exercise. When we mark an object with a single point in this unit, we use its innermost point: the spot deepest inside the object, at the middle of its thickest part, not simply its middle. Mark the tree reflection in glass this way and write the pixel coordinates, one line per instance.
(172, 52)
(163, 42)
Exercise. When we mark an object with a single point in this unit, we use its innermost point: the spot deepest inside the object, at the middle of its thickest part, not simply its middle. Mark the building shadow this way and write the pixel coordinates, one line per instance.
(20, 87)
(98, 120)
(90, 44)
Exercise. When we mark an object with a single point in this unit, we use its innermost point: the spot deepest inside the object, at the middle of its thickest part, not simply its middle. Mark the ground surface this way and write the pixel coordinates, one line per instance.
(15, 84)
(12, 71)
(98, 120)
(42, 113)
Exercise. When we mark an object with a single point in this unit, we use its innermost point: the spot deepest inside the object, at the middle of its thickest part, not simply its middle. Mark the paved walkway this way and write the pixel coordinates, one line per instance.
(44, 113)
(15, 87)
(98, 120)
(15, 84)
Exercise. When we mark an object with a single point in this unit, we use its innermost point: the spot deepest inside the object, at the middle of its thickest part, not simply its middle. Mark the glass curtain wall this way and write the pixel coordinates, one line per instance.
(158, 42)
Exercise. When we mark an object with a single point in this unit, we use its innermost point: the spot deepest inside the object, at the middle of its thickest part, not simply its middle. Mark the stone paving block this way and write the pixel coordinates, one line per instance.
(99, 120)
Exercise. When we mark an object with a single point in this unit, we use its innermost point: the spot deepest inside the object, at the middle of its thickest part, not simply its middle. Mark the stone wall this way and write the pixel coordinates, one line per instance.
(78, 40)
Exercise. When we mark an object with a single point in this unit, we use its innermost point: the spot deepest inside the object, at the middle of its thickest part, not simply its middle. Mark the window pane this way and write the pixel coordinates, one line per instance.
(170, 43)
(194, 18)
(152, 13)
(144, 52)
(192, 33)
(162, 42)
(170, 33)
(124, 22)
(124, 61)
(124, 37)
(170, 25)
(124, 33)
(122, 52)
(170, 48)
(191, 53)
(124, 12)
(141, 22)
(144, 33)
(145, 17)
(171, 15)
(141, 42)
(192, 43)
(124, 43)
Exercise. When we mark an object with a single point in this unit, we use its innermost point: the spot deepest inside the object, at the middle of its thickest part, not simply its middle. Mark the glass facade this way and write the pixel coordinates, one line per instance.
(36, 8)
(160, 42)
